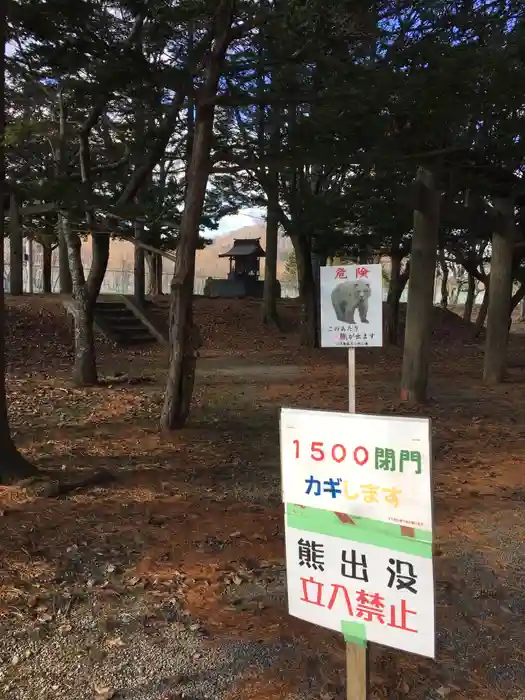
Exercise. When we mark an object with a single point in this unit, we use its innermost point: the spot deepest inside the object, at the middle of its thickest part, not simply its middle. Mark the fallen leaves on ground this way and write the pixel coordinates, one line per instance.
(196, 518)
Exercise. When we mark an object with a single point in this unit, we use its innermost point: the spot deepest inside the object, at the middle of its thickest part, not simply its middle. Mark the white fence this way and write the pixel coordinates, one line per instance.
(118, 282)
(121, 282)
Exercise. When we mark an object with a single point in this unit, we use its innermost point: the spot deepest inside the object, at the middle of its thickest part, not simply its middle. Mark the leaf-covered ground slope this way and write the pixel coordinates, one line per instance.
(169, 583)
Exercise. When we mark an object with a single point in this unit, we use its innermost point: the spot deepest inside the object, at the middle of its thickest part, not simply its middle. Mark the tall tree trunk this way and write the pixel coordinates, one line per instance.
(16, 249)
(471, 297)
(318, 258)
(307, 293)
(47, 257)
(184, 335)
(85, 365)
(444, 278)
(154, 262)
(269, 122)
(318, 261)
(517, 298)
(482, 313)
(12, 465)
(270, 315)
(190, 114)
(396, 286)
(500, 293)
(84, 297)
(416, 355)
(85, 292)
(139, 270)
(522, 310)
(65, 282)
(64, 271)
(99, 265)
(158, 275)
(149, 259)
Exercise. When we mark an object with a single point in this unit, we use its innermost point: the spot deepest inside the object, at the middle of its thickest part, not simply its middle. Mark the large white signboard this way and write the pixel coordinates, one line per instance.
(351, 306)
(369, 593)
(375, 467)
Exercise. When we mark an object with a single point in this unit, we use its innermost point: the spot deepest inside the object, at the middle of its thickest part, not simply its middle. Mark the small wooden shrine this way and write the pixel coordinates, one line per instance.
(244, 258)
(243, 277)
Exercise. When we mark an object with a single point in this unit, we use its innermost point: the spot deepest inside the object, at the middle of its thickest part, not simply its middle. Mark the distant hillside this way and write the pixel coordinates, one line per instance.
(208, 264)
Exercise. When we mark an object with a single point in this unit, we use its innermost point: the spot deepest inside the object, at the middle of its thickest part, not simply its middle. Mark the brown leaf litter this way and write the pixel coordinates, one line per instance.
(196, 519)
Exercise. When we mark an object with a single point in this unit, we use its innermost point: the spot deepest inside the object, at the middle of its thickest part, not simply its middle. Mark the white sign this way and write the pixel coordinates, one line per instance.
(375, 467)
(351, 306)
(371, 593)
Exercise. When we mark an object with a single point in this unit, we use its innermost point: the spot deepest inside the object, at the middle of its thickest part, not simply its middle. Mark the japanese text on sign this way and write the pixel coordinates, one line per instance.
(351, 306)
(332, 581)
(370, 466)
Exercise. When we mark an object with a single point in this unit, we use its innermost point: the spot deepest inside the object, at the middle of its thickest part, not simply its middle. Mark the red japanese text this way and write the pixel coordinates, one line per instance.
(364, 606)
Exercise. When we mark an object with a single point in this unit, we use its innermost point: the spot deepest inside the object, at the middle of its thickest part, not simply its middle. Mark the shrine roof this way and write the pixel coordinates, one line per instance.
(243, 248)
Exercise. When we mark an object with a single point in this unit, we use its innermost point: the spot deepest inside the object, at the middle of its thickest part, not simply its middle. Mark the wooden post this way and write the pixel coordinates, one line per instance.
(356, 672)
(351, 380)
(30, 264)
(356, 654)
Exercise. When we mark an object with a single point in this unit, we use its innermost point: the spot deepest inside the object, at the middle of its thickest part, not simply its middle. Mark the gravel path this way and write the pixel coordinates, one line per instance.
(130, 655)
(486, 598)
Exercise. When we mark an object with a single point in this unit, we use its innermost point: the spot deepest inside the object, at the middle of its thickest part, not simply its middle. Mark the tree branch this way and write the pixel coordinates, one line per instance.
(104, 97)
(167, 128)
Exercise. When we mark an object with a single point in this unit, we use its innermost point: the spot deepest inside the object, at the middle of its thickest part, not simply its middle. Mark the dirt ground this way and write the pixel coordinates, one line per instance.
(169, 582)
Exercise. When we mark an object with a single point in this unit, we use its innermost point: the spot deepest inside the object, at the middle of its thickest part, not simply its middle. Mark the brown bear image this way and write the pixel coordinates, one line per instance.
(349, 296)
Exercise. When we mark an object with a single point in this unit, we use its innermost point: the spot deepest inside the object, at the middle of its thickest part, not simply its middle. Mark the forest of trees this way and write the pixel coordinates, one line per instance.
(365, 129)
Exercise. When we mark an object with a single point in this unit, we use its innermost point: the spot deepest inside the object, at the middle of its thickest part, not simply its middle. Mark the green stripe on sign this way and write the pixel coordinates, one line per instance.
(354, 632)
(365, 530)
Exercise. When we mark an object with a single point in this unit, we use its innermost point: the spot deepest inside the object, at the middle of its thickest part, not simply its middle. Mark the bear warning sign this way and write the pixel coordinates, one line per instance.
(351, 306)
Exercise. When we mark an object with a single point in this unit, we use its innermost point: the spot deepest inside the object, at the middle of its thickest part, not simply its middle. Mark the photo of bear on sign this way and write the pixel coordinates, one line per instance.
(349, 296)
(351, 306)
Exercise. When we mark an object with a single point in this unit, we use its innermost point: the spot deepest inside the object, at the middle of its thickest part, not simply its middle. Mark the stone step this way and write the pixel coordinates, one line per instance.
(115, 319)
(118, 322)
(158, 310)
(130, 325)
(127, 340)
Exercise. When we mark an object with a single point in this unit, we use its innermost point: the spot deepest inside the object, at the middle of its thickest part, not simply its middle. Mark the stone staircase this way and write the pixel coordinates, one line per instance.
(158, 312)
(117, 320)
(122, 321)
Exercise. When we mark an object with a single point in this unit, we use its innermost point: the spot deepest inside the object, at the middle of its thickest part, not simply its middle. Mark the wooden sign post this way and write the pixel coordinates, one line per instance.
(358, 511)
(357, 677)
(356, 671)
(358, 506)
(351, 380)
(352, 315)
